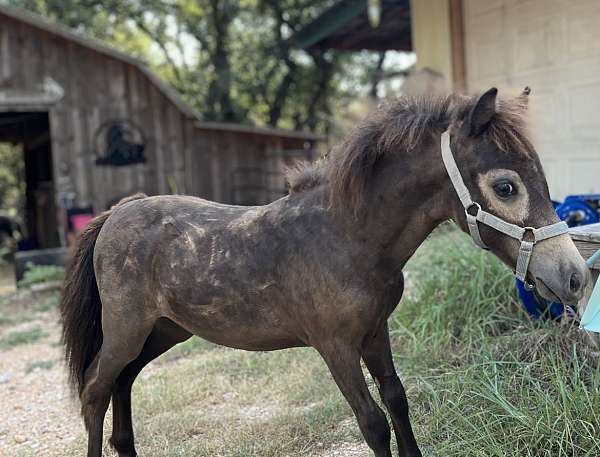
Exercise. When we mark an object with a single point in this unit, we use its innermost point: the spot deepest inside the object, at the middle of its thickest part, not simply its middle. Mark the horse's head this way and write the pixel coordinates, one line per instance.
(504, 177)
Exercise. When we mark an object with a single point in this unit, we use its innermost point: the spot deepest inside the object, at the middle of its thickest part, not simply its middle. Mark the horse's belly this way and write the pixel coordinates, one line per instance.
(249, 326)
(253, 342)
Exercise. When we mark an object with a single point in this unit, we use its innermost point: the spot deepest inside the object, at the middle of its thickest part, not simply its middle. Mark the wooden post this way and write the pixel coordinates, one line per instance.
(457, 38)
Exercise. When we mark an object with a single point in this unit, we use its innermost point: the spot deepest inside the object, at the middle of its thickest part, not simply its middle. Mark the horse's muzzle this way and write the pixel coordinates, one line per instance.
(568, 287)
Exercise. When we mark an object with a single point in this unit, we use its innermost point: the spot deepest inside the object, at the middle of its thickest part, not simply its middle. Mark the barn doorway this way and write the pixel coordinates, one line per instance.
(28, 178)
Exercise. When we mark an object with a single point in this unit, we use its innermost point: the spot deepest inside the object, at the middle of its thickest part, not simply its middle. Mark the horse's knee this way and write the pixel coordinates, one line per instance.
(94, 402)
(376, 429)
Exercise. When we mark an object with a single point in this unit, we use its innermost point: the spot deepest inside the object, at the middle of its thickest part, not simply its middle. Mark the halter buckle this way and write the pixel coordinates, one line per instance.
(473, 204)
(529, 230)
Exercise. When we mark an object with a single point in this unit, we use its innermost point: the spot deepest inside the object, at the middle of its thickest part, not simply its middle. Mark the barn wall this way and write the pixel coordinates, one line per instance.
(554, 47)
(253, 164)
(181, 157)
(97, 88)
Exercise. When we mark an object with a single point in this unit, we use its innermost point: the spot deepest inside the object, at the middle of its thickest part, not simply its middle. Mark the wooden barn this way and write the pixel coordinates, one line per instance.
(96, 124)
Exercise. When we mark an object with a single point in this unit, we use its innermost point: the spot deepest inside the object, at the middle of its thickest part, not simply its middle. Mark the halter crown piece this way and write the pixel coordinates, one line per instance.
(483, 217)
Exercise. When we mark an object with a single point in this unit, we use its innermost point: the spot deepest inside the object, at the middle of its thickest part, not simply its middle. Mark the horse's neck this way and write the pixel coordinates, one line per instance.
(406, 205)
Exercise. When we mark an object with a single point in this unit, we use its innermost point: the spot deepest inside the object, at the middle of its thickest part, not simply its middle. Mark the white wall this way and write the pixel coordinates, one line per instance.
(554, 47)
(430, 26)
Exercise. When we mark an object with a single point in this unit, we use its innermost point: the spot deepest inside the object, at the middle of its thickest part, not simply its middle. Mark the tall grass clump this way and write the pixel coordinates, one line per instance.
(486, 379)
(455, 295)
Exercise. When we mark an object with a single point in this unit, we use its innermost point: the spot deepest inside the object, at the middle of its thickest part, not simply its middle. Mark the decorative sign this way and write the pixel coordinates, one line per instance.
(119, 142)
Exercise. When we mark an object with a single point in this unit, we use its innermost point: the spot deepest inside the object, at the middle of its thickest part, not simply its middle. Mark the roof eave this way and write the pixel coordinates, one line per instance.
(251, 130)
(336, 16)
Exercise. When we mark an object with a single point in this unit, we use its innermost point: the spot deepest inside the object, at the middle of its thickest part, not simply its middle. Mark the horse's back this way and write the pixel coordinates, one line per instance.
(207, 266)
(143, 233)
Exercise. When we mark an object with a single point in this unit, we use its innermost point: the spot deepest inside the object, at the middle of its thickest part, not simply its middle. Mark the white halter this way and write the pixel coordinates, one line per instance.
(512, 230)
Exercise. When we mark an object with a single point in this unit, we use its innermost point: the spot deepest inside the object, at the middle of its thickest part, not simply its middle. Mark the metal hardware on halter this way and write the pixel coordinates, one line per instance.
(482, 216)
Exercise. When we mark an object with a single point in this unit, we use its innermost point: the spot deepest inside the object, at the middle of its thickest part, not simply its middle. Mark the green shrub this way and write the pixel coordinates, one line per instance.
(35, 274)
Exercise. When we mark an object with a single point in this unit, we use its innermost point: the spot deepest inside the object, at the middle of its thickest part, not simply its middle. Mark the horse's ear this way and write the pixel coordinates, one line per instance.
(481, 114)
(524, 97)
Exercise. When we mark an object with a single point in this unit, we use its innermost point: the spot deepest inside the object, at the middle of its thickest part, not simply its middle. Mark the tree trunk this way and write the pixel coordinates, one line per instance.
(377, 75)
(220, 106)
(320, 98)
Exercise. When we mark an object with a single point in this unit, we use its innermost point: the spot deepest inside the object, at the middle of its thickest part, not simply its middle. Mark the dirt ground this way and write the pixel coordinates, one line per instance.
(39, 417)
(37, 414)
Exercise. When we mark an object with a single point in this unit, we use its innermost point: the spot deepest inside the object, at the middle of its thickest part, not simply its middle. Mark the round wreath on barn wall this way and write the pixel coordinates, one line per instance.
(119, 142)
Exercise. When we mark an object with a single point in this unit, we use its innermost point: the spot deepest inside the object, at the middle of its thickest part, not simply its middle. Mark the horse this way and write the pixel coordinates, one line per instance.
(320, 267)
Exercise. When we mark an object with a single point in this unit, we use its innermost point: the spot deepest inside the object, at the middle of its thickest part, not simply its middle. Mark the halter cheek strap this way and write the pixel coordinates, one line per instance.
(483, 217)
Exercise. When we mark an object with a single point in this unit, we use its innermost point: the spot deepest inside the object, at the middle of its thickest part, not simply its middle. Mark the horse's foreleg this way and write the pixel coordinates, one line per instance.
(378, 358)
(344, 364)
(164, 336)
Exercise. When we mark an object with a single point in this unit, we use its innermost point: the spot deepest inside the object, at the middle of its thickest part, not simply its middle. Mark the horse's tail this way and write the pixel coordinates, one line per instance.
(80, 305)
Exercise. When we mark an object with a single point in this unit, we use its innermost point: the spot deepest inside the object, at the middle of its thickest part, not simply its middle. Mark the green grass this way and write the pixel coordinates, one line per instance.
(47, 303)
(6, 320)
(19, 337)
(226, 402)
(490, 381)
(36, 274)
(25, 306)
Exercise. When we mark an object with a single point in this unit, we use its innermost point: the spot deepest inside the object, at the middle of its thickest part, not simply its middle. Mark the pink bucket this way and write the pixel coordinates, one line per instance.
(80, 221)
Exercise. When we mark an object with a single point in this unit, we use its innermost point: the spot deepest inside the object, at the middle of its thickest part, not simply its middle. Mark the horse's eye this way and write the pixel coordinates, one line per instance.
(504, 188)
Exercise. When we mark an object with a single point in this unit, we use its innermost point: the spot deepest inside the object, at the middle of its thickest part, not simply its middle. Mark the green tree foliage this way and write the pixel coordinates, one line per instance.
(230, 59)
(12, 178)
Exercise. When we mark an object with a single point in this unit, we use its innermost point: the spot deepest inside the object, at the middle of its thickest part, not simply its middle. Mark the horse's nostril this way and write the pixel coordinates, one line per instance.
(575, 283)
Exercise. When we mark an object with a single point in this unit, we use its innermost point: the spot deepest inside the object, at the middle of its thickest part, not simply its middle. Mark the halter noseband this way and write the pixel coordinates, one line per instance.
(512, 230)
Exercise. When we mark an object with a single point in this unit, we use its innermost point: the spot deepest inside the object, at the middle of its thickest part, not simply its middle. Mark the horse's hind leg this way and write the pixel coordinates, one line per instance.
(344, 363)
(164, 336)
(378, 358)
(122, 343)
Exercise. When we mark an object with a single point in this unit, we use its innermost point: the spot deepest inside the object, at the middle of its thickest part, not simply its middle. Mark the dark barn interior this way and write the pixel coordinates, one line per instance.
(31, 131)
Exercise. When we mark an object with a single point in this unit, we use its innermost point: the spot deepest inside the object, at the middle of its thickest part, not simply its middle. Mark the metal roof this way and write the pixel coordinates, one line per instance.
(346, 26)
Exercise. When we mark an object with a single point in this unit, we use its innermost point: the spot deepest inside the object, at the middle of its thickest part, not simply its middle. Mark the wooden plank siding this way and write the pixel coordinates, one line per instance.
(101, 85)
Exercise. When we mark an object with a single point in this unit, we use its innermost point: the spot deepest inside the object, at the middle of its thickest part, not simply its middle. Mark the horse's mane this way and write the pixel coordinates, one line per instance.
(399, 126)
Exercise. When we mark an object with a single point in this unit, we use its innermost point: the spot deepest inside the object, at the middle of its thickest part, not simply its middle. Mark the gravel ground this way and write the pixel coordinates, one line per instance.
(38, 416)
(349, 448)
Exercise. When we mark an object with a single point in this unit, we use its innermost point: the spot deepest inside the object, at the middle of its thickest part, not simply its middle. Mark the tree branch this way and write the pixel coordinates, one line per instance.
(159, 40)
